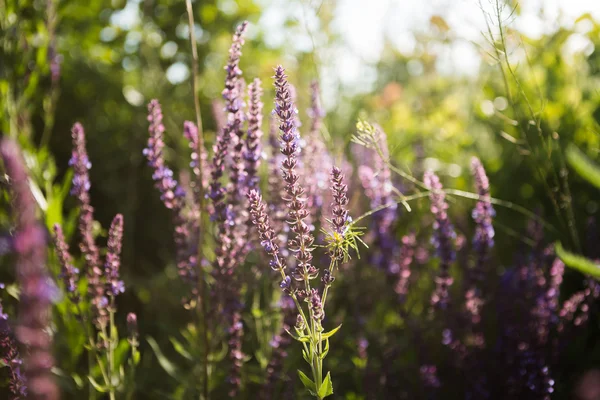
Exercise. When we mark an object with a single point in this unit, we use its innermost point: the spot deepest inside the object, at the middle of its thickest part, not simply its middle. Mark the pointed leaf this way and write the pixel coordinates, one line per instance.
(305, 356)
(303, 339)
(326, 351)
(180, 348)
(99, 388)
(216, 357)
(164, 362)
(586, 168)
(331, 332)
(308, 383)
(326, 388)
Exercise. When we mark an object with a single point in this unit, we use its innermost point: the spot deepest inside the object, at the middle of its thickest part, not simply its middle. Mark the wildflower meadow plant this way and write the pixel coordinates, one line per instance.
(37, 291)
(96, 308)
(299, 282)
(452, 299)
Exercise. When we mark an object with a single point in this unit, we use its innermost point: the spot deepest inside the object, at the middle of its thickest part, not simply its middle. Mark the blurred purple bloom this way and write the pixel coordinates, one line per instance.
(69, 274)
(115, 286)
(443, 238)
(37, 290)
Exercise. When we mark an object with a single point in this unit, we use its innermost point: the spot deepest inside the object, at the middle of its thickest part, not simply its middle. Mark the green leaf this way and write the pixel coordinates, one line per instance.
(121, 352)
(165, 363)
(303, 339)
(96, 385)
(326, 388)
(331, 332)
(308, 383)
(180, 348)
(585, 167)
(216, 357)
(326, 351)
(305, 356)
(136, 357)
(578, 262)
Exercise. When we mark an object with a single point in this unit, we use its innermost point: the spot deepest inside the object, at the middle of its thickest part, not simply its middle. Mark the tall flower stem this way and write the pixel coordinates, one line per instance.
(111, 348)
(203, 306)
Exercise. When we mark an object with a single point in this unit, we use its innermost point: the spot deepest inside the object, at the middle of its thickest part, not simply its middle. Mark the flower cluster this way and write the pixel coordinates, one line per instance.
(104, 284)
(37, 290)
(114, 286)
(69, 274)
(172, 194)
(301, 245)
(442, 240)
(9, 355)
(80, 190)
(252, 153)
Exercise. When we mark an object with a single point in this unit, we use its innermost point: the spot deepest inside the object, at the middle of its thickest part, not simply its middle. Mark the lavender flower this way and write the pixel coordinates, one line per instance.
(234, 105)
(378, 187)
(132, 328)
(301, 245)
(442, 239)
(230, 241)
(429, 376)
(266, 234)
(483, 242)
(9, 355)
(252, 153)
(80, 189)
(172, 194)
(37, 291)
(316, 306)
(405, 260)
(340, 200)
(483, 214)
(113, 259)
(69, 274)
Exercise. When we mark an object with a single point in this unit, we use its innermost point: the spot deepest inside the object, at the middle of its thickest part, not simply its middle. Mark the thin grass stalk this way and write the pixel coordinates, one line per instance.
(202, 298)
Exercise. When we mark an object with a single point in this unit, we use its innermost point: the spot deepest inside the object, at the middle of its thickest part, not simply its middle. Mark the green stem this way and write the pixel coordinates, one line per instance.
(203, 306)
(91, 354)
(111, 348)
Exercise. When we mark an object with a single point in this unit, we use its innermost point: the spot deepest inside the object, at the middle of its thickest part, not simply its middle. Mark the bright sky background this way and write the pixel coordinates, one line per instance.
(364, 25)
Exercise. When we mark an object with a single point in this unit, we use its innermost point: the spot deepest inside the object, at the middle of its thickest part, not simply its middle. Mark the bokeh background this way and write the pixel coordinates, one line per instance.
(428, 72)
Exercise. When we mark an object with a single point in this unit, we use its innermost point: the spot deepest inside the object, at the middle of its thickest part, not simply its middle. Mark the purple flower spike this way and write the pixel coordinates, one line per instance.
(132, 327)
(37, 290)
(482, 214)
(172, 194)
(443, 239)
(234, 106)
(230, 246)
(252, 153)
(301, 244)
(81, 186)
(260, 219)
(340, 200)
(69, 274)
(405, 259)
(113, 257)
(483, 241)
(9, 355)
